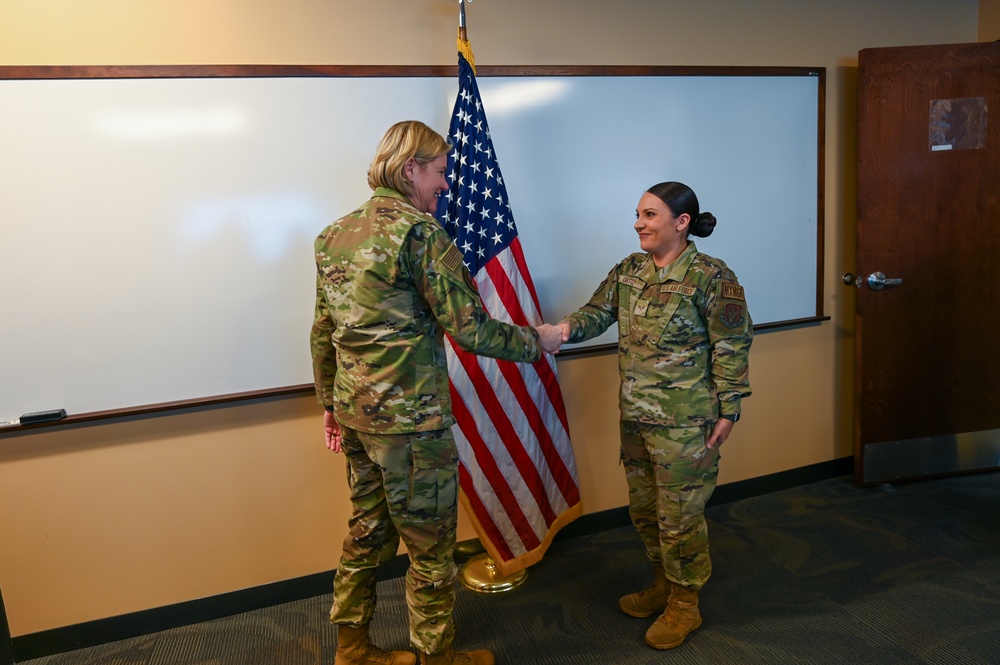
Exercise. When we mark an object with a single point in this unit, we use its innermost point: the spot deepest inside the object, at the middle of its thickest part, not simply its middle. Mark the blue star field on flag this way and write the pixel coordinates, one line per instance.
(474, 210)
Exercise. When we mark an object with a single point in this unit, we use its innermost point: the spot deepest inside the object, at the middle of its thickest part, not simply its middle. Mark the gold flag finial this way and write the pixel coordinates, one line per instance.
(464, 47)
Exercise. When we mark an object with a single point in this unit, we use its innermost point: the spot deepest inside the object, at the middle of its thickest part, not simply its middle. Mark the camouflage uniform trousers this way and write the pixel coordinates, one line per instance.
(671, 475)
(402, 486)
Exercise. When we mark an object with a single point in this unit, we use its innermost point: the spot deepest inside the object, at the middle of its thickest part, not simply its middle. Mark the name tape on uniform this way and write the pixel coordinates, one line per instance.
(629, 280)
(732, 291)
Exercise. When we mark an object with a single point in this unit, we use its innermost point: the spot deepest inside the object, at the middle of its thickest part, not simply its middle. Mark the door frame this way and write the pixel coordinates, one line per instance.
(6, 643)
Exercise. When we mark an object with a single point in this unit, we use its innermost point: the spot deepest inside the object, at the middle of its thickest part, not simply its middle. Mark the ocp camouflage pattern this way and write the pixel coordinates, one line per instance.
(671, 476)
(402, 486)
(389, 284)
(684, 337)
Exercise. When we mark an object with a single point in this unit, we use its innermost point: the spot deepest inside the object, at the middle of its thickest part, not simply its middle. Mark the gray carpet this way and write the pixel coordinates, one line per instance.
(823, 573)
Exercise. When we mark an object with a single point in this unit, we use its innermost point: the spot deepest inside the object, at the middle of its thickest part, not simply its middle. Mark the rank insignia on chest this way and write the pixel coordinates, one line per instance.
(641, 306)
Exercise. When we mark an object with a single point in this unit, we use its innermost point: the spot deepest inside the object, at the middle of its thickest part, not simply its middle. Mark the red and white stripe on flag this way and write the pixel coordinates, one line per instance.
(517, 474)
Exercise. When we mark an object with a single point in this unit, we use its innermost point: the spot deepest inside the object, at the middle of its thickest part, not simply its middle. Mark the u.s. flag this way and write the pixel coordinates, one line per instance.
(517, 473)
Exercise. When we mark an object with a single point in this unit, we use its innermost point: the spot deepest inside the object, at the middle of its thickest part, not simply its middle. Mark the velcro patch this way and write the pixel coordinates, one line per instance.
(732, 315)
(629, 280)
(452, 258)
(678, 288)
(732, 291)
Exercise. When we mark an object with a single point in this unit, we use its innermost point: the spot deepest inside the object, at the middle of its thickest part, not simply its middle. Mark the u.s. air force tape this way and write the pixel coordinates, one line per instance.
(732, 291)
(678, 288)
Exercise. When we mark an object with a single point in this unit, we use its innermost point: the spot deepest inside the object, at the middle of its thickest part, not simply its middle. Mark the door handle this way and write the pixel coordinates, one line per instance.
(878, 281)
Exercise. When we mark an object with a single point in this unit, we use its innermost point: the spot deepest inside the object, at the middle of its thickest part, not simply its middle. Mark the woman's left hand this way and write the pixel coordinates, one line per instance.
(720, 432)
(331, 430)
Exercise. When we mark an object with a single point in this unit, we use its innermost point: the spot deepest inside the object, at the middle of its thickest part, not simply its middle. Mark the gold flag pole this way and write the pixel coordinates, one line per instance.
(480, 572)
(461, 20)
(464, 47)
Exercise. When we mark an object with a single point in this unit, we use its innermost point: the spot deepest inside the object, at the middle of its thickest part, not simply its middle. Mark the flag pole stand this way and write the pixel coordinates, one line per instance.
(480, 574)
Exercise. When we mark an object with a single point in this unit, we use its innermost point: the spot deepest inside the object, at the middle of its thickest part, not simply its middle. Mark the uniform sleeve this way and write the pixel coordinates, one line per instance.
(442, 279)
(600, 312)
(730, 332)
(324, 355)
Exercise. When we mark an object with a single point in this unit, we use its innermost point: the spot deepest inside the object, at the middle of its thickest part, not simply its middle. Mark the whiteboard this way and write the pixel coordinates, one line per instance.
(157, 232)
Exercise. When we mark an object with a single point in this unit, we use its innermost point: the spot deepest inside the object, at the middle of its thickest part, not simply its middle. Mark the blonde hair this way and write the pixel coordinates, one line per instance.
(410, 139)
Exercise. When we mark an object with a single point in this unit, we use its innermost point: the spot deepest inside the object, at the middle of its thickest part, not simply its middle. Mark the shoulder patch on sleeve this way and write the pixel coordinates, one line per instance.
(452, 257)
(732, 315)
(732, 291)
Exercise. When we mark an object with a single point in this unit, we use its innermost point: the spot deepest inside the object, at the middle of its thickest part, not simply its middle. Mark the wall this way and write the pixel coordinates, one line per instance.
(105, 519)
(989, 20)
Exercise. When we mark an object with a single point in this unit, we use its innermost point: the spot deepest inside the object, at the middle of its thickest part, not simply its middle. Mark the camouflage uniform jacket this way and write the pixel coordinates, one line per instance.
(389, 283)
(684, 337)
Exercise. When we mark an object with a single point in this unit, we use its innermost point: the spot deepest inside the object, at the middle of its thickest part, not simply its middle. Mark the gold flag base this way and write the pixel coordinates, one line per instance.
(480, 574)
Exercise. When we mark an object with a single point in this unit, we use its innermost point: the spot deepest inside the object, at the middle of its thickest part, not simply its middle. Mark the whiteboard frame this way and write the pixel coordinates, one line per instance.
(301, 71)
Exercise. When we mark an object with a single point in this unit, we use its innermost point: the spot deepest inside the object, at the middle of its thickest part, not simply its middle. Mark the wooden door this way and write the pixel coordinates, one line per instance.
(927, 357)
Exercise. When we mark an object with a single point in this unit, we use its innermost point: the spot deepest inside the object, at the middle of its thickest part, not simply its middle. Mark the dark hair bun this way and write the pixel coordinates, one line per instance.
(703, 225)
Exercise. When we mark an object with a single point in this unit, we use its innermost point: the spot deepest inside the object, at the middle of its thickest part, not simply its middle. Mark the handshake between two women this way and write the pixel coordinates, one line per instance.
(552, 337)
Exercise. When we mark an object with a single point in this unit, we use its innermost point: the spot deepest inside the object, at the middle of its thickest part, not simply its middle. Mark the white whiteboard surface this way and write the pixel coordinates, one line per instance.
(157, 233)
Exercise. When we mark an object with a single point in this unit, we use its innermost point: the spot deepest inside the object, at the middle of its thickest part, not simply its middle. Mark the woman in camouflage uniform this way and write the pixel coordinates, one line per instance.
(684, 340)
(390, 283)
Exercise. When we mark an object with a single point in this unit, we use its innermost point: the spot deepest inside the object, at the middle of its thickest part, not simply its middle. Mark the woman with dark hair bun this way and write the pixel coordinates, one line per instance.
(684, 336)
(681, 199)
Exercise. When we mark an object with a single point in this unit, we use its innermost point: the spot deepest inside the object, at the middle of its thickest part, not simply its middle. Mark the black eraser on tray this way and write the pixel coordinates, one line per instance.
(42, 416)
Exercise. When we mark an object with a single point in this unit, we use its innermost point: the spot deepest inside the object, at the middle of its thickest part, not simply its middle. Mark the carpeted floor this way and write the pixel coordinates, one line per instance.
(823, 573)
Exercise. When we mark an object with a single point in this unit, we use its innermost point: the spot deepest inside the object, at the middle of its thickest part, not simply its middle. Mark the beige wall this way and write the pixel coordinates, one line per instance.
(105, 519)
(989, 20)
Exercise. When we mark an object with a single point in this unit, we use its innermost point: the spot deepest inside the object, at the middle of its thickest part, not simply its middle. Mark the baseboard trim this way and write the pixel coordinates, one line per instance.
(783, 480)
(101, 631)
(743, 489)
(113, 629)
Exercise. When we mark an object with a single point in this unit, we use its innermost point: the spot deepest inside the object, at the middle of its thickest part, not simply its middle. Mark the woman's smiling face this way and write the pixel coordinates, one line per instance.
(660, 232)
(428, 181)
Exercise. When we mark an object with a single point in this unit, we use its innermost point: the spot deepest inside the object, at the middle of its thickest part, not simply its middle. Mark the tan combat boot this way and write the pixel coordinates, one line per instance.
(451, 657)
(649, 601)
(678, 621)
(353, 648)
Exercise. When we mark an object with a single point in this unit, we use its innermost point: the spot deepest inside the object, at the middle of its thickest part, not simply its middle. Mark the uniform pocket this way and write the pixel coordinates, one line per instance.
(433, 479)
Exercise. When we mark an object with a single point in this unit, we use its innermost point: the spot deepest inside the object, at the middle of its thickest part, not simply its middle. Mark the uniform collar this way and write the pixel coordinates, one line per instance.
(674, 271)
(391, 193)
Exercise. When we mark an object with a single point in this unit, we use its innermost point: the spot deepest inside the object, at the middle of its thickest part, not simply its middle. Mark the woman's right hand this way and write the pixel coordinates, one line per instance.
(550, 337)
